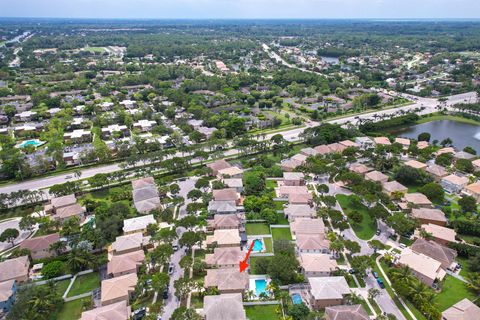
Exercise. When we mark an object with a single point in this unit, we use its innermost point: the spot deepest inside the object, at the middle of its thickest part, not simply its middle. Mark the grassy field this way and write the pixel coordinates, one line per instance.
(62, 286)
(282, 219)
(84, 284)
(95, 49)
(72, 310)
(364, 230)
(453, 290)
(268, 244)
(281, 234)
(266, 312)
(257, 228)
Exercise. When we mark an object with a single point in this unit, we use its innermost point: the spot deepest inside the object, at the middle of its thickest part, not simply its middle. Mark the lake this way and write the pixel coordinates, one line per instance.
(462, 134)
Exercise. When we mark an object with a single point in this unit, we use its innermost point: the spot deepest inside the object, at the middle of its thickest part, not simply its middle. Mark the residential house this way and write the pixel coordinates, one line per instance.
(376, 176)
(8, 294)
(429, 215)
(293, 179)
(224, 306)
(308, 152)
(145, 195)
(227, 280)
(114, 311)
(300, 198)
(231, 172)
(404, 142)
(439, 234)
(437, 172)
(64, 208)
(349, 144)
(327, 291)
(227, 194)
(463, 155)
(106, 106)
(416, 164)
(224, 238)
(307, 226)
(444, 150)
(336, 147)
(286, 191)
(118, 289)
(128, 104)
(236, 183)
(462, 310)
(15, 269)
(129, 243)
(322, 149)
(394, 187)
(359, 168)
(218, 165)
(473, 190)
(364, 142)
(222, 207)
(25, 116)
(52, 112)
(294, 211)
(126, 263)
(224, 222)
(424, 268)
(317, 264)
(476, 164)
(40, 246)
(111, 130)
(312, 243)
(78, 136)
(138, 224)
(206, 131)
(346, 312)
(144, 125)
(417, 199)
(454, 183)
(382, 141)
(226, 257)
(444, 255)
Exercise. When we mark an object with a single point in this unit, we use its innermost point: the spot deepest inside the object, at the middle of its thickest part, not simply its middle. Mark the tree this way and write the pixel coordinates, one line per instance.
(58, 247)
(470, 150)
(160, 281)
(473, 284)
(183, 286)
(298, 311)
(161, 254)
(78, 260)
(445, 159)
(194, 194)
(433, 191)
(401, 223)
(468, 204)
(283, 267)
(373, 293)
(464, 165)
(352, 246)
(361, 264)
(184, 313)
(336, 246)
(152, 229)
(355, 216)
(424, 136)
(9, 235)
(254, 182)
(53, 269)
(174, 188)
(27, 223)
(202, 183)
(190, 238)
(323, 188)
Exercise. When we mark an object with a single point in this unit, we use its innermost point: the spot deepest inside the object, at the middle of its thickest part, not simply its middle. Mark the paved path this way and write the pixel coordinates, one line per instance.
(13, 224)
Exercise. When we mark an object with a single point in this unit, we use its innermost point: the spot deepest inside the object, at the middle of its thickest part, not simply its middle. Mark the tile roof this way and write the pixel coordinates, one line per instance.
(138, 223)
(226, 279)
(445, 255)
(128, 262)
(328, 288)
(14, 268)
(228, 194)
(462, 310)
(422, 264)
(307, 226)
(224, 306)
(40, 243)
(224, 237)
(6, 289)
(440, 232)
(128, 242)
(429, 214)
(114, 311)
(345, 312)
(317, 262)
(417, 198)
(118, 287)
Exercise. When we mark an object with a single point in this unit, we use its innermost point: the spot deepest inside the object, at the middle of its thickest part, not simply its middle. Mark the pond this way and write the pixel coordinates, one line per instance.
(462, 134)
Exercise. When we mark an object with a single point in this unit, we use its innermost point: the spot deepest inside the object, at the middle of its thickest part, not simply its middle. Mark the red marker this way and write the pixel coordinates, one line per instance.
(244, 264)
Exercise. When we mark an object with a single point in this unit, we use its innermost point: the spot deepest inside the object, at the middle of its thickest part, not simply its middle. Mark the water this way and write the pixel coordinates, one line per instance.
(35, 143)
(296, 298)
(462, 134)
(260, 286)
(331, 60)
(257, 245)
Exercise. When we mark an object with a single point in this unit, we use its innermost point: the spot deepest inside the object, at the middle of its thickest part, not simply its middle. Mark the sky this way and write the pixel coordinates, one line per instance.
(242, 9)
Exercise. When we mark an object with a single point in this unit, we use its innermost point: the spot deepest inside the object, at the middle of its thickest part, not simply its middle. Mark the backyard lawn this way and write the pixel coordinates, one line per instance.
(453, 290)
(266, 312)
(62, 286)
(271, 184)
(268, 244)
(279, 204)
(281, 234)
(84, 284)
(72, 310)
(364, 230)
(281, 218)
(257, 228)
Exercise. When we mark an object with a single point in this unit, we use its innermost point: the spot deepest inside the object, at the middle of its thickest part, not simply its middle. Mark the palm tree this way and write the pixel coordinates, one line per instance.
(474, 282)
(401, 274)
(418, 292)
(58, 247)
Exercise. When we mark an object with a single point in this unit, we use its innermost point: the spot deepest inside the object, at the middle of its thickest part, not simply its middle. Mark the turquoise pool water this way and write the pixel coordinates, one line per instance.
(260, 286)
(34, 143)
(296, 298)
(257, 245)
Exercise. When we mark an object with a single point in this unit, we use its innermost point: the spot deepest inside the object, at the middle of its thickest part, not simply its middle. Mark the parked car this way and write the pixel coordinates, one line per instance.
(378, 232)
(402, 245)
(375, 274)
(380, 283)
(68, 177)
(165, 294)
(139, 313)
(170, 269)
(351, 271)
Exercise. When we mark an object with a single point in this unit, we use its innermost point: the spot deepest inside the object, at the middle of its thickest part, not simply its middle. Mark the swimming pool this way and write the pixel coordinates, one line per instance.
(34, 143)
(296, 298)
(257, 245)
(260, 286)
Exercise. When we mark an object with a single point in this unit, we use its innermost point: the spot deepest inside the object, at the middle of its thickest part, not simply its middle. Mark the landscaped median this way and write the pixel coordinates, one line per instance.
(366, 228)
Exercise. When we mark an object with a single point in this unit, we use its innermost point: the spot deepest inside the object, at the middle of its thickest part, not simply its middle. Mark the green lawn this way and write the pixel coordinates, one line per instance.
(364, 230)
(62, 286)
(72, 310)
(84, 284)
(366, 307)
(257, 228)
(453, 290)
(279, 204)
(95, 49)
(253, 262)
(281, 218)
(266, 312)
(268, 244)
(196, 301)
(271, 184)
(465, 266)
(281, 234)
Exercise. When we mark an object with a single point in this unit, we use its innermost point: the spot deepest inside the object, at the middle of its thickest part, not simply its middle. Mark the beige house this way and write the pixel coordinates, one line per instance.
(300, 198)
(424, 268)
(429, 215)
(226, 257)
(228, 194)
(293, 179)
(322, 149)
(416, 164)
(145, 195)
(65, 207)
(235, 183)
(124, 264)
(218, 165)
(138, 224)
(359, 168)
(441, 235)
(462, 310)
(404, 142)
(417, 199)
(224, 221)
(476, 164)
(346, 312)
(312, 243)
(376, 176)
(349, 144)
(473, 190)
(286, 191)
(308, 152)
(382, 141)
(444, 255)
(392, 187)
(436, 171)
(294, 211)
(307, 226)
(15, 269)
(224, 306)
(224, 238)
(118, 289)
(227, 280)
(453, 183)
(327, 291)
(231, 172)
(444, 150)
(316, 264)
(129, 243)
(115, 311)
(40, 246)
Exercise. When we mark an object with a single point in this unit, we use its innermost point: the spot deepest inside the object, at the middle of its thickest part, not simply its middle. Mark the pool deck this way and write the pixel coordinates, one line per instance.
(253, 278)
